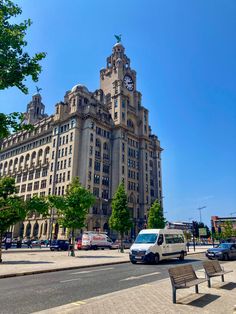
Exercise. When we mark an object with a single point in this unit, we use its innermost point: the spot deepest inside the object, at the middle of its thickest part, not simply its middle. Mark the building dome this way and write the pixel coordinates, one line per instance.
(80, 87)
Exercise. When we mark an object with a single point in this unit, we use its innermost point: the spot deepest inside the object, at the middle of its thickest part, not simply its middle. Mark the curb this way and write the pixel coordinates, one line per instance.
(35, 272)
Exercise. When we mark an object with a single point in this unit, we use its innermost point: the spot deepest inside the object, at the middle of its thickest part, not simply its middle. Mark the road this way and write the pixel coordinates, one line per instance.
(22, 295)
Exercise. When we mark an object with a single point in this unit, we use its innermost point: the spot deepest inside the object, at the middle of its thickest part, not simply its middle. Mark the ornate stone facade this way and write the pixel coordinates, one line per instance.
(103, 137)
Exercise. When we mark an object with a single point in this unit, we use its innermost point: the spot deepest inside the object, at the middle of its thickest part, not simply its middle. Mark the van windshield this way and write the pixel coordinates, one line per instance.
(146, 238)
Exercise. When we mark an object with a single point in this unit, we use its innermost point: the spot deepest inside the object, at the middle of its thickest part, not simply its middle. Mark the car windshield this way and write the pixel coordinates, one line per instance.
(146, 238)
(224, 245)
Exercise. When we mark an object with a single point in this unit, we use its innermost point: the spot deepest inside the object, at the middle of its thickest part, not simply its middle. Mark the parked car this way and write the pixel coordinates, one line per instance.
(117, 244)
(223, 251)
(59, 245)
(79, 244)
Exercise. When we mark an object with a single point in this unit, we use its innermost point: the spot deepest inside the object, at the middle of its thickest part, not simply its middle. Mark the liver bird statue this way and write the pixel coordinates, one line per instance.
(118, 38)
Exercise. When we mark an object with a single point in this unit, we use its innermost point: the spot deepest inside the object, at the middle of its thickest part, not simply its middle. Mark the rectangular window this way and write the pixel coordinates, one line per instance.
(44, 172)
(70, 150)
(71, 137)
(29, 187)
(43, 184)
(23, 188)
(68, 176)
(69, 162)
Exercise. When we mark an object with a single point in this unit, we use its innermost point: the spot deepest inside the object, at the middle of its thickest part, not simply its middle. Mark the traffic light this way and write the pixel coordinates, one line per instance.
(195, 229)
(213, 230)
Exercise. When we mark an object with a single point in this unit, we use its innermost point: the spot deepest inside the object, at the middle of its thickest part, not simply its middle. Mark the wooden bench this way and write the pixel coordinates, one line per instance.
(183, 277)
(214, 269)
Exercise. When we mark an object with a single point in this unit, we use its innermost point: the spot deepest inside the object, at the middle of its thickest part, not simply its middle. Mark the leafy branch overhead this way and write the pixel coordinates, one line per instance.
(15, 64)
(12, 122)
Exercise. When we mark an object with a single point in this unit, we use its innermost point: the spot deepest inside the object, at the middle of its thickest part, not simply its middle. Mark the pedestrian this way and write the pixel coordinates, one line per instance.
(29, 244)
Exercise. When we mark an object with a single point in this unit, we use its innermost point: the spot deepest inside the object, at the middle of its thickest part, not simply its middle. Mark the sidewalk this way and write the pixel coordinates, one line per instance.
(157, 298)
(32, 261)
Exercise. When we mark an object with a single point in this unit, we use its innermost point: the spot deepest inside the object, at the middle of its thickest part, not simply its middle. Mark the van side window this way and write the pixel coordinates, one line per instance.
(169, 238)
(174, 238)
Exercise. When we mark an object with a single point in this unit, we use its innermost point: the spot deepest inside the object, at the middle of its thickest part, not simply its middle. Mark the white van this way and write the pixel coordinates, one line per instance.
(154, 245)
(94, 240)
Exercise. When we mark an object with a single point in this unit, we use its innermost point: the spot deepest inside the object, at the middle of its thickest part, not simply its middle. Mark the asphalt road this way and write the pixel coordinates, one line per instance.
(27, 294)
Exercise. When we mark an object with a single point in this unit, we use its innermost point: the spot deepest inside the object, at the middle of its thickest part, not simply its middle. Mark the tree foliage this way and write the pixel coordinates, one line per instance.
(14, 209)
(120, 218)
(15, 64)
(12, 122)
(156, 219)
(72, 209)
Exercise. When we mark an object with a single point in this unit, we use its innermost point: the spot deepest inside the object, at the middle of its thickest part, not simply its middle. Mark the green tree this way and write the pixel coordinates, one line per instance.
(120, 217)
(72, 209)
(13, 209)
(156, 219)
(15, 64)
(227, 230)
(12, 122)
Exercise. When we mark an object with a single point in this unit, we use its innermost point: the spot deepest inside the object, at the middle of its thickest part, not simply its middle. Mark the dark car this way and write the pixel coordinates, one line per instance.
(59, 245)
(223, 251)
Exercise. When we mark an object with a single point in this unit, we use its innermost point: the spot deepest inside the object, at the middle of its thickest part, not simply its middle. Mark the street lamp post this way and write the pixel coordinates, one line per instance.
(200, 211)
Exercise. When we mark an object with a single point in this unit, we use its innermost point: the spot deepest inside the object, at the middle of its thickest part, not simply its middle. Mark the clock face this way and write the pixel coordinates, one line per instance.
(128, 82)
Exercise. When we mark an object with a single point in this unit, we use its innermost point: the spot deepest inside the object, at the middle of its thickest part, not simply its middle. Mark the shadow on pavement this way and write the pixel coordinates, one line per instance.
(226, 286)
(198, 300)
(96, 257)
(24, 262)
(176, 261)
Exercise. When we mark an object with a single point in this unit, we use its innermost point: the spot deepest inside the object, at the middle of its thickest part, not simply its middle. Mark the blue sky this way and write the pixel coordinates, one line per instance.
(184, 54)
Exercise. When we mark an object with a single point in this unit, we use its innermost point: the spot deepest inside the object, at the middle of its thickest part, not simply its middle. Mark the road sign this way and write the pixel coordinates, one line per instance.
(202, 232)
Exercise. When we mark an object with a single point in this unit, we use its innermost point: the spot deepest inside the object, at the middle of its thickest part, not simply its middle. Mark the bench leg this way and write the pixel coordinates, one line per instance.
(222, 278)
(174, 295)
(208, 282)
(196, 288)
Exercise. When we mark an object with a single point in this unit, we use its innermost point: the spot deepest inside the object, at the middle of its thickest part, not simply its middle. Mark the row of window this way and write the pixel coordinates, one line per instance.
(96, 179)
(27, 147)
(63, 164)
(31, 175)
(63, 140)
(65, 127)
(61, 177)
(19, 138)
(32, 186)
(97, 166)
(102, 132)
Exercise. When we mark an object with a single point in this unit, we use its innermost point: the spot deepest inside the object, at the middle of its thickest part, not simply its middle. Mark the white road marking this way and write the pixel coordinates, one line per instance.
(70, 280)
(91, 271)
(141, 276)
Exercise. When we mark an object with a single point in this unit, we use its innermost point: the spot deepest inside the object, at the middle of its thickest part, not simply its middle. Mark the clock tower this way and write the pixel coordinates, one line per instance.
(118, 82)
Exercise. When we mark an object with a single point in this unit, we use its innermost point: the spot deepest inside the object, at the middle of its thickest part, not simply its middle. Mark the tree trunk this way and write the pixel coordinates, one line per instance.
(0, 247)
(72, 248)
(122, 242)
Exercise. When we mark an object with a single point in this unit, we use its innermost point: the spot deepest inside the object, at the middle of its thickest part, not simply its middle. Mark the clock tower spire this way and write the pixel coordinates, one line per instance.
(118, 82)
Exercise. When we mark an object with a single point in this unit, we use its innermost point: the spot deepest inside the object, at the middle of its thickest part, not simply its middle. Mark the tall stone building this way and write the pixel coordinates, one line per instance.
(103, 137)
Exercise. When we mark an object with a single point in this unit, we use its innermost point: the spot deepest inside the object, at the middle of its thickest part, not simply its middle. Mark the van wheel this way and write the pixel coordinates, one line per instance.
(95, 247)
(156, 259)
(181, 257)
